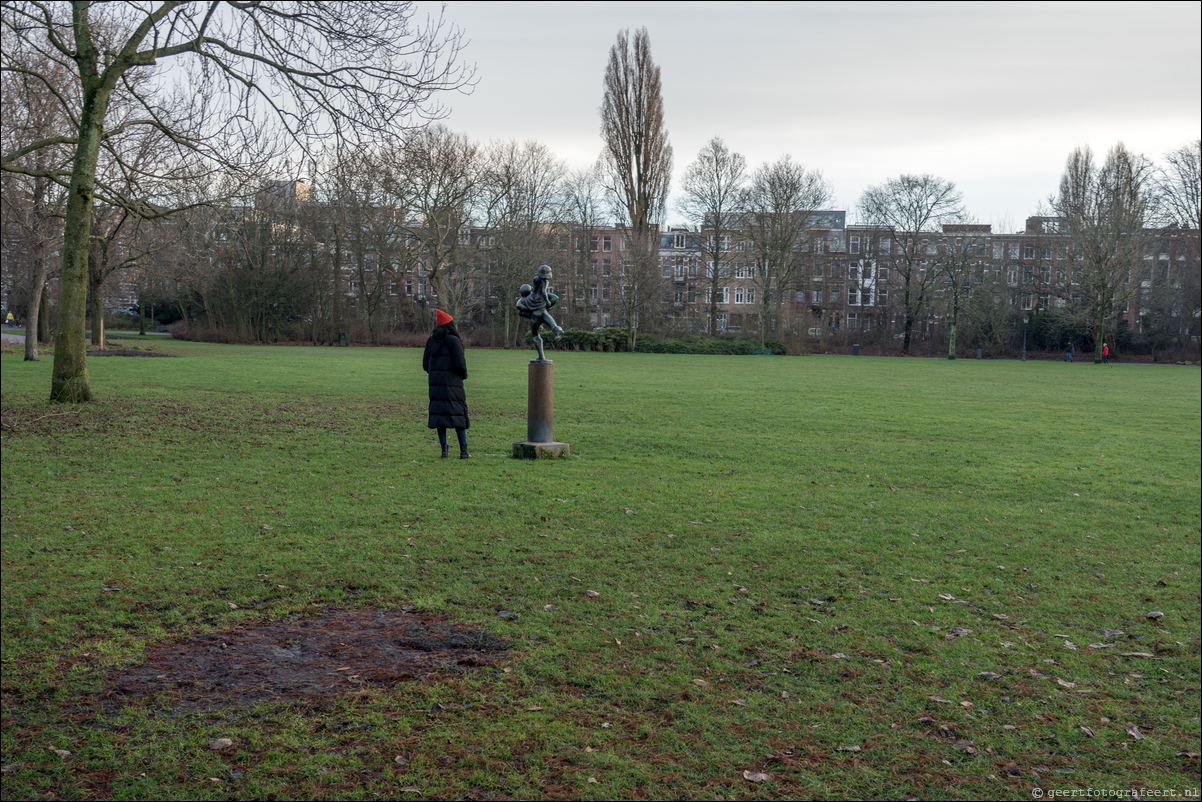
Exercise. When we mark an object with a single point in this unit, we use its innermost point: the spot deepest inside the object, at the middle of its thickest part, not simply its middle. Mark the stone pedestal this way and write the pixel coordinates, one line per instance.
(540, 415)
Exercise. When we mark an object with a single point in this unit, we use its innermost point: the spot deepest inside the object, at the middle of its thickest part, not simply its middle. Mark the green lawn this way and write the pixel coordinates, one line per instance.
(861, 577)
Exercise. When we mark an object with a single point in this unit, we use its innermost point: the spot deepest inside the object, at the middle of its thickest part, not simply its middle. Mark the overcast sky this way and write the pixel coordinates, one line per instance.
(992, 96)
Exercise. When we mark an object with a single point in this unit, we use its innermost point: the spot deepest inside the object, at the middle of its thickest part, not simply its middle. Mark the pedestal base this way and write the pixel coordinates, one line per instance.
(528, 450)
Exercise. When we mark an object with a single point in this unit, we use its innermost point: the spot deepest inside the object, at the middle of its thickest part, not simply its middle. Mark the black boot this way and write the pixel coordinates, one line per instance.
(463, 454)
(445, 453)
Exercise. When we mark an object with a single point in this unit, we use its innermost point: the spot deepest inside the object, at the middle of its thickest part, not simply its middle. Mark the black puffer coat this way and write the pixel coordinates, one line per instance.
(444, 361)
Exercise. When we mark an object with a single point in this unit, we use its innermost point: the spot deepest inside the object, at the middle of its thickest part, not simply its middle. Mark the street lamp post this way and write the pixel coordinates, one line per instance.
(1025, 319)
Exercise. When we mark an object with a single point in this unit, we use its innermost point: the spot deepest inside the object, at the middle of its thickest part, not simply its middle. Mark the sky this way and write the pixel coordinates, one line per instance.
(991, 96)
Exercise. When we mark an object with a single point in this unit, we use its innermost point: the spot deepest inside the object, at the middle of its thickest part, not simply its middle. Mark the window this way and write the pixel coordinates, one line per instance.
(679, 241)
(1014, 250)
(853, 297)
(1028, 301)
(930, 247)
(693, 268)
(606, 266)
(680, 269)
(1028, 251)
(836, 268)
(868, 272)
(854, 247)
(738, 295)
(817, 296)
(666, 268)
(592, 293)
(882, 298)
(692, 293)
(818, 270)
(739, 271)
(724, 243)
(751, 295)
(1012, 275)
(607, 243)
(834, 296)
(799, 296)
(408, 286)
(724, 295)
(886, 245)
(882, 274)
(852, 320)
(592, 243)
(627, 265)
(853, 272)
(579, 270)
(604, 292)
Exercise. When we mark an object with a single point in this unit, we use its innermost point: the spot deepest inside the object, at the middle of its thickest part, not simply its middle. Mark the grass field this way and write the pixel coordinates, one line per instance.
(756, 577)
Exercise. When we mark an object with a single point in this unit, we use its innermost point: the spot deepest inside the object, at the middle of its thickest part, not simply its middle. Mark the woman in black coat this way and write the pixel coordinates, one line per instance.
(444, 361)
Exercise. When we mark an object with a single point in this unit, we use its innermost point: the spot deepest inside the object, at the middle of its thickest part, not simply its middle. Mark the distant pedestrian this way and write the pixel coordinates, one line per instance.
(1072, 352)
(1105, 354)
(445, 363)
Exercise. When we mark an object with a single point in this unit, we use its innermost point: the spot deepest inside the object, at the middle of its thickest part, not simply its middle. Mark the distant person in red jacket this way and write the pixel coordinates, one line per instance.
(1105, 354)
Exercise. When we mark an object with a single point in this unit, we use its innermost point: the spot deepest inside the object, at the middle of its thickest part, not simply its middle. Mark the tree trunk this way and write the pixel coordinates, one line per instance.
(44, 335)
(95, 281)
(1099, 334)
(34, 322)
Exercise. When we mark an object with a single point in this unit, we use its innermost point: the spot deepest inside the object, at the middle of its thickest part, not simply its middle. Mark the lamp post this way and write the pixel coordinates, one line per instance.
(930, 333)
(1025, 319)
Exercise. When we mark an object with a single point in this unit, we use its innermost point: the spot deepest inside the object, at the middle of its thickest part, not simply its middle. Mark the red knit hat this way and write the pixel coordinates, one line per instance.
(441, 318)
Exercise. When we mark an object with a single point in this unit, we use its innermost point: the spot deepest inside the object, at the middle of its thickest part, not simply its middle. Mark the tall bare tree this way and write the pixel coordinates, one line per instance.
(714, 200)
(961, 254)
(1105, 209)
(912, 208)
(354, 69)
(783, 205)
(637, 159)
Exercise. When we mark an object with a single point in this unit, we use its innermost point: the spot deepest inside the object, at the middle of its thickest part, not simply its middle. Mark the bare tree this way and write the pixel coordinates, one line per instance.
(912, 207)
(584, 214)
(1105, 209)
(33, 203)
(782, 208)
(714, 200)
(961, 255)
(1180, 187)
(523, 190)
(637, 159)
(439, 171)
(349, 69)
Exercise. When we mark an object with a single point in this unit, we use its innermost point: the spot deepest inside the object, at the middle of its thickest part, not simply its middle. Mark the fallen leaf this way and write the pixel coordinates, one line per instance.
(1134, 732)
(989, 675)
(411, 789)
(852, 748)
(1000, 616)
(1087, 731)
(1100, 645)
(1012, 769)
(947, 597)
(963, 745)
(741, 702)
(400, 760)
(220, 743)
(1138, 654)
(1113, 633)
(592, 594)
(940, 699)
(62, 753)
(592, 780)
(755, 776)
(967, 705)
(1155, 614)
(534, 708)
(1190, 755)
(1065, 683)
(1068, 644)
(700, 683)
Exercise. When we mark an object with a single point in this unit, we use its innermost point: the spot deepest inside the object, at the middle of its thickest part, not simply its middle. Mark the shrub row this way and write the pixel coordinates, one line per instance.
(619, 339)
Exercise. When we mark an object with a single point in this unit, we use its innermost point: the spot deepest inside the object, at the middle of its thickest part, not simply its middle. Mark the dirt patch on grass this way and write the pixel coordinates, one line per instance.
(303, 658)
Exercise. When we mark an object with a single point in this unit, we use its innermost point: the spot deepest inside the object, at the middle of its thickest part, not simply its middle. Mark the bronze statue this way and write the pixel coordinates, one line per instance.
(534, 305)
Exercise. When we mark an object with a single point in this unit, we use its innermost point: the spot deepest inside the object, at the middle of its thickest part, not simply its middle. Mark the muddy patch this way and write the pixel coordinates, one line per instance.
(307, 658)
